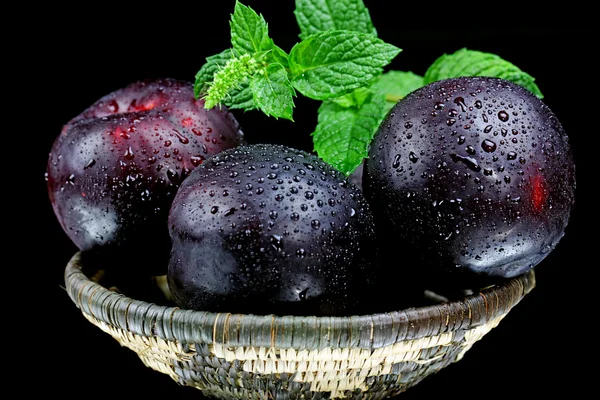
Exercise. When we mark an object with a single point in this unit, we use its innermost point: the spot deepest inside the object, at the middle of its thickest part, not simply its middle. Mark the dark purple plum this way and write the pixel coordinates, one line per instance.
(115, 168)
(470, 176)
(266, 228)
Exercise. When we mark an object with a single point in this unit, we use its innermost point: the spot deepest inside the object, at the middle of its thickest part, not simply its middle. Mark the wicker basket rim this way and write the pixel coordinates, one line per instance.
(190, 326)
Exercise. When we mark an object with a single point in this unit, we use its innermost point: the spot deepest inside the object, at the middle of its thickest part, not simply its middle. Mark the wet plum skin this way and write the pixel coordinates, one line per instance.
(114, 169)
(270, 229)
(470, 177)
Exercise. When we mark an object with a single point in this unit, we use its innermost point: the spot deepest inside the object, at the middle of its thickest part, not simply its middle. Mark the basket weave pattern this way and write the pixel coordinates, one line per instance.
(234, 356)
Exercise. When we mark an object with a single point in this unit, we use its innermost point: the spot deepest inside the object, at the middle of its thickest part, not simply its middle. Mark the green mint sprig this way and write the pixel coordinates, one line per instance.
(339, 61)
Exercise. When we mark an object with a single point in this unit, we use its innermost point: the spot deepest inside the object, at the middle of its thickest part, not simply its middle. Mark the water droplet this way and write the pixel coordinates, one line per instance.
(439, 105)
(302, 294)
(172, 175)
(295, 216)
(197, 160)
(488, 146)
(214, 209)
(90, 164)
(487, 129)
(470, 149)
(300, 253)
(413, 157)
(511, 155)
(277, 242)
(315, 223)
(408, 124)
(230, 211)
(129, 153)
(309, 195)
(396, 162)
(461, 103)
(461, 139)
(503, 116)
(71, 179)
(113, 106)
(450, 121)
(469, 161)
(182, 139)
(273, 214)
(478, 104)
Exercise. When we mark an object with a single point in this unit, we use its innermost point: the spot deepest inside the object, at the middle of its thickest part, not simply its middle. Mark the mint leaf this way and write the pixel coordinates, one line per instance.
(205, 75)
(343, 134)
(394, 85)
(240, 98)
(314, 16)
(231, 77)
(353, 99)
(331, 63)
(278, 56)
(466, 62)
(249, 31)
(272, 92)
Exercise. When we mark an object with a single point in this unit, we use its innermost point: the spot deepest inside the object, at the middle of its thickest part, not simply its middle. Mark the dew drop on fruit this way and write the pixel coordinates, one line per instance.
(461, 103)
(396, 162)
(129, 153)
(468, 161)
(277, 242)
(488, 146)
(503, 116)
(315, 223)
(413, 157)
(309, 195)
(90, 164)
(197, 160)
(182, 139)
(511, 155)
(172, 175)
(214, 209)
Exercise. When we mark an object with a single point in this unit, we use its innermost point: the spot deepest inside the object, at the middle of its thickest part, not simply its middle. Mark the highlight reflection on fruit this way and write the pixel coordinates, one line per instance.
(470, 175)
(115, 168)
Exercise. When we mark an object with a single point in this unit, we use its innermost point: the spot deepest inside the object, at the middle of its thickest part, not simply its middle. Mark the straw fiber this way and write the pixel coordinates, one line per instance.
(233, 356)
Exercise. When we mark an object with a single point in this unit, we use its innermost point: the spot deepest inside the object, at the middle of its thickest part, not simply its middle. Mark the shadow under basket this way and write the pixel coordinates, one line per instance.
(235, 356)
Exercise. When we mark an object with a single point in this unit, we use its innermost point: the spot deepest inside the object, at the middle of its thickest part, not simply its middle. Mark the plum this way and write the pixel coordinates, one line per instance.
(470, 177)
(114, 169)
(266, 228)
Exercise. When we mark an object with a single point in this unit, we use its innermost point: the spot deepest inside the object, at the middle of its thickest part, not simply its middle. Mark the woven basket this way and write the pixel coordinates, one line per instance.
(233, 356)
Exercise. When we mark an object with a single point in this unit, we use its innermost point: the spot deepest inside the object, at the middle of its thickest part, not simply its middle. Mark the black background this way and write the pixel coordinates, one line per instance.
(538, 349)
